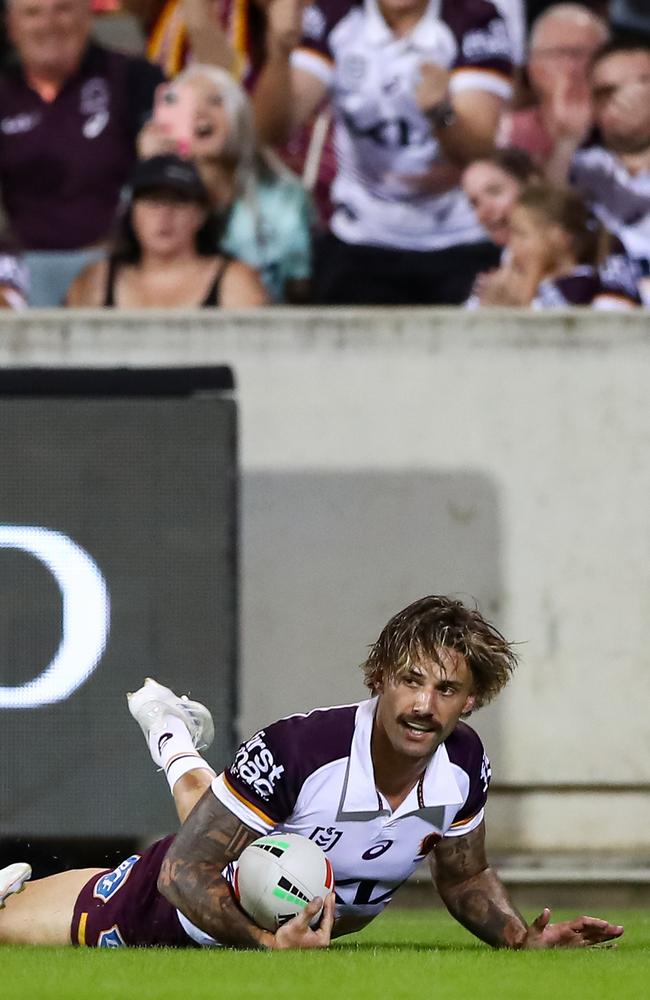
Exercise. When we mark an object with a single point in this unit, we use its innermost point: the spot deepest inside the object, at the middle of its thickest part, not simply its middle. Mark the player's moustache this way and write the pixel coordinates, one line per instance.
(420, 720)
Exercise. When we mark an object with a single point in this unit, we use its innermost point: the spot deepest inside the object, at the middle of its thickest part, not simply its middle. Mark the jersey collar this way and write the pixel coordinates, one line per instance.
(360, 799)
(425, 33)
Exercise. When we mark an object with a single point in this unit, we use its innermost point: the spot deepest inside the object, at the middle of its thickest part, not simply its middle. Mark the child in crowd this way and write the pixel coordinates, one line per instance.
(557, 255)
(493, 186)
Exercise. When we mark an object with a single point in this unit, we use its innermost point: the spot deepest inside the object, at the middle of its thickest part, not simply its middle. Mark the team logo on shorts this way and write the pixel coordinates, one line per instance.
(107, 885)
(111, 938)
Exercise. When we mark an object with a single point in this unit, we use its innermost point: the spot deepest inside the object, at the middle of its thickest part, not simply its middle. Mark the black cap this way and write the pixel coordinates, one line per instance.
(168, 172)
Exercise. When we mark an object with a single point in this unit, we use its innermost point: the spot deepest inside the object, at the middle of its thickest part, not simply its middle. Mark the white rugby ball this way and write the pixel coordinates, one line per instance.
(278, 875)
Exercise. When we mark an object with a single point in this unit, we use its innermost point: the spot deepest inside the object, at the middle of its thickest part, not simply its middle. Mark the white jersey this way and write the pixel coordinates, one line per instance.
(620, 200)
(313, 775)
(387, 153)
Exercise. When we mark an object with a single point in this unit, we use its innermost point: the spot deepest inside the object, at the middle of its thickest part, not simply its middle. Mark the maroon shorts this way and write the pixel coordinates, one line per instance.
(123, 907)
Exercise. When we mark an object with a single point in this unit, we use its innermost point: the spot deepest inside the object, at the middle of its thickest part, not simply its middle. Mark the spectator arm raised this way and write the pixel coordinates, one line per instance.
(285, 98)
(208, 41)
(472, 132)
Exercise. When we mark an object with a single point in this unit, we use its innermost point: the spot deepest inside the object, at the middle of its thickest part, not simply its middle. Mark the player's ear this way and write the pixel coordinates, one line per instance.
(470, 704)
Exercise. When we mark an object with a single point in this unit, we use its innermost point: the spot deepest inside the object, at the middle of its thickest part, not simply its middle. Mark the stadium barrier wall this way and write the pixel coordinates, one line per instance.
(387, 454)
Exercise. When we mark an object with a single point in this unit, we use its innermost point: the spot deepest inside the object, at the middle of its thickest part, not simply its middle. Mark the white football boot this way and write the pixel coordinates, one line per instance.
(12, 880)
(152, 702)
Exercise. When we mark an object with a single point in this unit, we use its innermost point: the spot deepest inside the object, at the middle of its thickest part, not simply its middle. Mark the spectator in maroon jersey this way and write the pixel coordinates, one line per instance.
(562, 42)
(70, 111)
(554, 256)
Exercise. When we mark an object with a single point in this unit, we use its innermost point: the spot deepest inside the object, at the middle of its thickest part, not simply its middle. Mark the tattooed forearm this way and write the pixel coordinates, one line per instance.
(482, 905)
(190, 876)
(473, 893)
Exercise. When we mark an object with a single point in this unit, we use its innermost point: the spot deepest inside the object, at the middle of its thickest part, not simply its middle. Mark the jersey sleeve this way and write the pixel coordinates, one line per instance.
(468, 755)
(485, 50)
(314, 53)
(262, 785)
(259, 785)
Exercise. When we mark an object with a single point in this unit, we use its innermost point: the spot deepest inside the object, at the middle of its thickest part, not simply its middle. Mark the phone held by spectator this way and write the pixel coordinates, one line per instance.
(174, 114)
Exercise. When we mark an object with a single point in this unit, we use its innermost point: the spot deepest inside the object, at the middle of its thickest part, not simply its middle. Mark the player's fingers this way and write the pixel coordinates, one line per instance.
(540, 922)
(327, 920)
(311, 910)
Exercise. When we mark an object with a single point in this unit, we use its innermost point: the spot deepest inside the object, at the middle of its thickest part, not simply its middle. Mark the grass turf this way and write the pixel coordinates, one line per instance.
(416, 953)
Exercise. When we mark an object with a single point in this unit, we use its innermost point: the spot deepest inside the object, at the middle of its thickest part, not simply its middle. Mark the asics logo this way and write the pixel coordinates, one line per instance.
(163, 741)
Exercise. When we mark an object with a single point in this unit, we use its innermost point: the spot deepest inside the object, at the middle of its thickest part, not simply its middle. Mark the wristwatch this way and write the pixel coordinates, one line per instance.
(441, 115)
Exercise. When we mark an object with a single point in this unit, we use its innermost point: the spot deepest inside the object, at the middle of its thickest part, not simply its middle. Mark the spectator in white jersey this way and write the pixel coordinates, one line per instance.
(563, 41)
(493, 185)
(557, 255)
(379, 786)
(613, 173)
(417, 88)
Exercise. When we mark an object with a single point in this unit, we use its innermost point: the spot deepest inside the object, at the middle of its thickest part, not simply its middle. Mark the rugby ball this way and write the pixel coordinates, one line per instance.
(278, 875)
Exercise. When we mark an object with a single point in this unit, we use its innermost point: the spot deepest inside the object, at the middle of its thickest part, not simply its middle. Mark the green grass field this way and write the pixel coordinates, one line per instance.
(414, 954)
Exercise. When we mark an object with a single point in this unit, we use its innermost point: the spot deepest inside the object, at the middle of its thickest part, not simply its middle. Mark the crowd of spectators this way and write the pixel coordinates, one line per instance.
(367, 152)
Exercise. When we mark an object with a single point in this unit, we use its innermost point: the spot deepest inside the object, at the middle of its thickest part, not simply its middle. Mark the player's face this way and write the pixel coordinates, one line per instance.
(491, 193)
(416, 713)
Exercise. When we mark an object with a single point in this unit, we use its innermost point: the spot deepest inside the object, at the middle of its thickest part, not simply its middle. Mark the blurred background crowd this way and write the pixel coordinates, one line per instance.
(238, 153)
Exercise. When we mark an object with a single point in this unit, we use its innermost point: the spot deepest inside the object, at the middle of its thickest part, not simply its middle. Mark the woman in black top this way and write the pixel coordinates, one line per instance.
(163, 255)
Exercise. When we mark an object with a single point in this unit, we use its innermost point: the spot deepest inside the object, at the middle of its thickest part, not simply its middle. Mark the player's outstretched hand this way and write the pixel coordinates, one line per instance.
(297, 933)
(579, 933)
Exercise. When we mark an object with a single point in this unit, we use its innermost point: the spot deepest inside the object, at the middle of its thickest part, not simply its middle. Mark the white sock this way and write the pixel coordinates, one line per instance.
(171, 747)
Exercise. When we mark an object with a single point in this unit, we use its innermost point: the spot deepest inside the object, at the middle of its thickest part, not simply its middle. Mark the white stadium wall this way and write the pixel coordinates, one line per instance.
(390, 454)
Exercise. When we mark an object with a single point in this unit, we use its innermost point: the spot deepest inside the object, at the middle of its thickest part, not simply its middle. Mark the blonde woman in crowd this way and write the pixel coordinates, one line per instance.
(265, 211)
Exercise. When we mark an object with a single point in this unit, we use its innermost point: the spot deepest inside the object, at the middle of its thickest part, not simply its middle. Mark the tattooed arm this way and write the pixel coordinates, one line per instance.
(475, 895)
(190, 878)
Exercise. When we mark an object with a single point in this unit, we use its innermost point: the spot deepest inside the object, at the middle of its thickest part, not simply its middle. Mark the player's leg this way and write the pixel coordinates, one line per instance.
(175, 729)
(41, 913)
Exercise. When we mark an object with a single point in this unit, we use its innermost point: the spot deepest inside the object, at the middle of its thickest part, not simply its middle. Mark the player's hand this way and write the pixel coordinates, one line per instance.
(583, 932)
(297, 933)
(432, 87)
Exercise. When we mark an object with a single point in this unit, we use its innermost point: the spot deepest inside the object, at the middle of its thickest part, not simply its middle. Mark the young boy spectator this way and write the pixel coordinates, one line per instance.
(70, 111)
